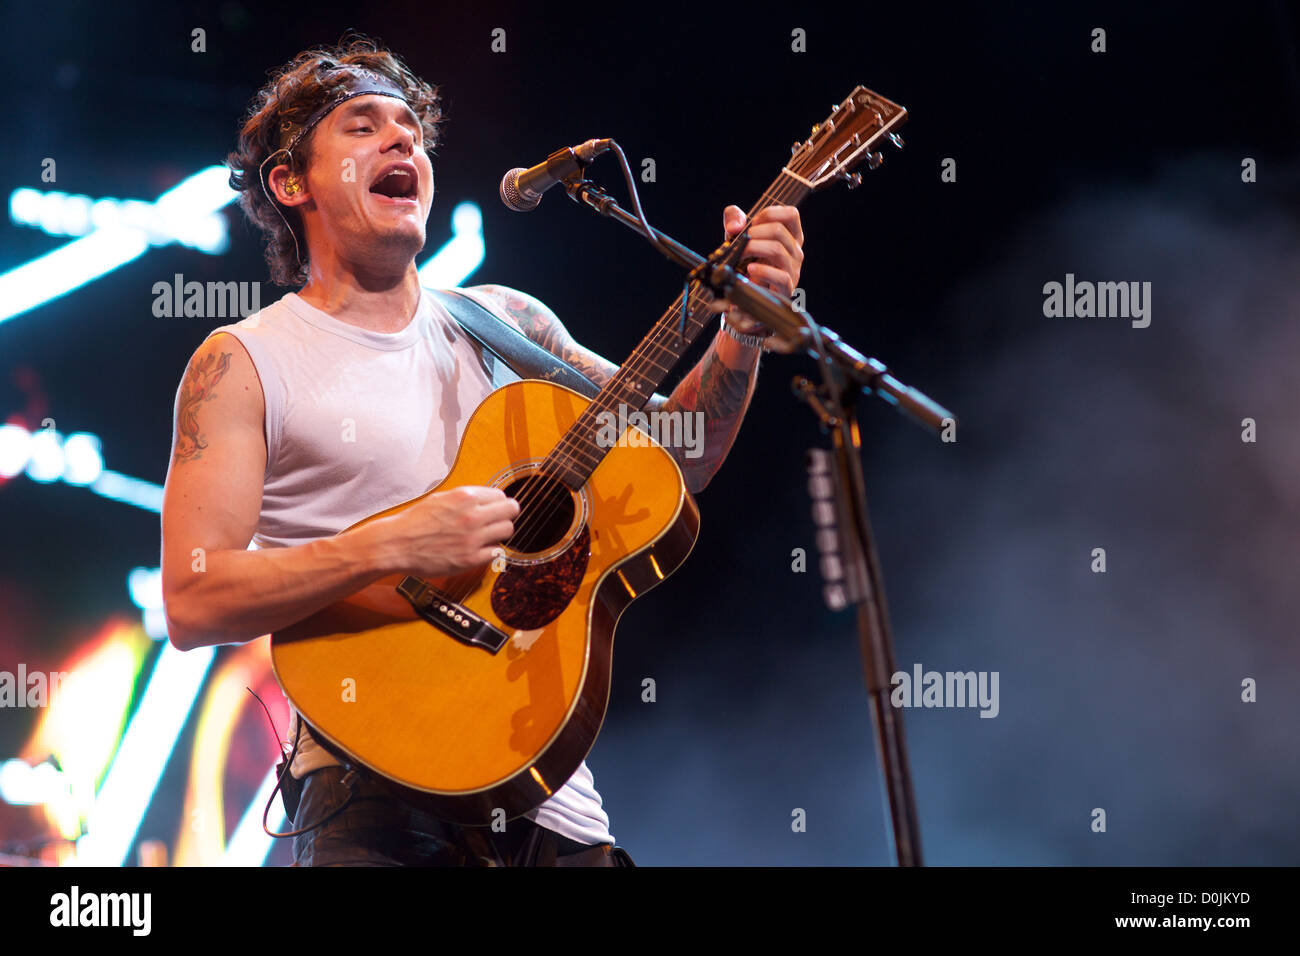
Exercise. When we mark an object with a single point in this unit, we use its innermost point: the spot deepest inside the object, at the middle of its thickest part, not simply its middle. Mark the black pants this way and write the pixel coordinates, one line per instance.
(377, 828)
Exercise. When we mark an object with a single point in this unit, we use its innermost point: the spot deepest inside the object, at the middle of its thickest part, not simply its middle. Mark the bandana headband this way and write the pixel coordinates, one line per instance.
(357, 82)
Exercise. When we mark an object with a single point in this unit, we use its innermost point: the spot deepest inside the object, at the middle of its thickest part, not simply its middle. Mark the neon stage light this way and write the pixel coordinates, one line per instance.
(182, 214)
(128, 789)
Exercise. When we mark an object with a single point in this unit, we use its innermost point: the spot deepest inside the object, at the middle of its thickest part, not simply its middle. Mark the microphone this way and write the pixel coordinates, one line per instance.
(521, 189)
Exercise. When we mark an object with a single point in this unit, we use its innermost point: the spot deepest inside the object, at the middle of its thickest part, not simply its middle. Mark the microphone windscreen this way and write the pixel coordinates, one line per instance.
(512, 197)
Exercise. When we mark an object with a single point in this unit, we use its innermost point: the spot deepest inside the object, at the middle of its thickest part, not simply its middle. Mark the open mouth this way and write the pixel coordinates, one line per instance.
(397, 185)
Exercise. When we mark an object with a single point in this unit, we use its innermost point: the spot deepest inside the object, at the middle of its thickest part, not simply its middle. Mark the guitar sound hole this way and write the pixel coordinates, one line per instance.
(546, 511)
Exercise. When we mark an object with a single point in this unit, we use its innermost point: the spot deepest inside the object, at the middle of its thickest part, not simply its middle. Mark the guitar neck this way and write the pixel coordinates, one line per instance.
(578, 453)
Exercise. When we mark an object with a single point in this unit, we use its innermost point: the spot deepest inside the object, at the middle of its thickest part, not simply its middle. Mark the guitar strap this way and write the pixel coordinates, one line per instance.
(520, 353)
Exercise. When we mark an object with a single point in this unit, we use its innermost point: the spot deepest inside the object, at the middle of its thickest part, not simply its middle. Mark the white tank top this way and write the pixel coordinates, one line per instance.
(359, 421)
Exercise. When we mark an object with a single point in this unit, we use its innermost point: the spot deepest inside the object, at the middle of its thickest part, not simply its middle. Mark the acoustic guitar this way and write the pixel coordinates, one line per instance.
(485, 691)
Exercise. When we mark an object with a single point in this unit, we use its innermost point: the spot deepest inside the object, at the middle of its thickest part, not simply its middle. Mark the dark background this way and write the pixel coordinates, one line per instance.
(1118, 690)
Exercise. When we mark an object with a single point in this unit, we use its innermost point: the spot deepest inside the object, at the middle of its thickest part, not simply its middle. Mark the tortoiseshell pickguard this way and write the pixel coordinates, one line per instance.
(532, 596)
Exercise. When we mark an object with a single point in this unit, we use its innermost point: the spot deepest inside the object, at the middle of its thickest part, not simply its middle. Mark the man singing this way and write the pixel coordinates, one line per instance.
(333, 165)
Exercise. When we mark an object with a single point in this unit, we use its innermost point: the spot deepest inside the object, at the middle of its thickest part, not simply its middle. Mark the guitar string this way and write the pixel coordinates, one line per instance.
(662, 339)
(544, 483)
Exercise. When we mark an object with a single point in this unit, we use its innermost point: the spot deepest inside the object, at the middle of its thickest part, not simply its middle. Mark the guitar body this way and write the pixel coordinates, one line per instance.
(487, 690)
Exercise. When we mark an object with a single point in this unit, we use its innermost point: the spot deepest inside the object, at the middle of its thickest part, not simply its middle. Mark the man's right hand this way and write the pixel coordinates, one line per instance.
(447, 532)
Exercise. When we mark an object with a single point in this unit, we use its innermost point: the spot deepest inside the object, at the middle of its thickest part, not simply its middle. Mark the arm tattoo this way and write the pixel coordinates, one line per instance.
(540, 324)
(592, 366)
(529, 319)
(198, 387)
(721, 394)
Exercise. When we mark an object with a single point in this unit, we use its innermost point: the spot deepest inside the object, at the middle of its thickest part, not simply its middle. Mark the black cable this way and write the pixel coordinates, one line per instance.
(349, 778)
(271, 720)
(650, 232)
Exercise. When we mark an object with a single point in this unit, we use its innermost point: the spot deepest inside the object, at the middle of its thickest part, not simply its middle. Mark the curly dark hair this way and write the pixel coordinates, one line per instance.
(290, 96)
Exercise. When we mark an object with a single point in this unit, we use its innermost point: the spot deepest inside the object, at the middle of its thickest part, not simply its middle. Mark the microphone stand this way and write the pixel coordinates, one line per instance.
(845, 373)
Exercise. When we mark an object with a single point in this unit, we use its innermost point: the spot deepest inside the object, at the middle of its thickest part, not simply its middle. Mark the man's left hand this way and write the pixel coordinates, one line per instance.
(774, 257)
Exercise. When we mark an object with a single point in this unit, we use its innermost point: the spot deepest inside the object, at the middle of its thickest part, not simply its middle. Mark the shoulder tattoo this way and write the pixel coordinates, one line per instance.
(199, 386)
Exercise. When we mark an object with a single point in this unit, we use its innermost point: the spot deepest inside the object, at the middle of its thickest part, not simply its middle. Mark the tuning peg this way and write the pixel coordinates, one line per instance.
(853, 179)
(795, 148)
(835, 108)
(874, 160)
(896, 140)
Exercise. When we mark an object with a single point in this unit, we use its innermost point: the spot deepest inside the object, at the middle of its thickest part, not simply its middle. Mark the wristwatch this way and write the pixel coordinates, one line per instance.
(752, 341)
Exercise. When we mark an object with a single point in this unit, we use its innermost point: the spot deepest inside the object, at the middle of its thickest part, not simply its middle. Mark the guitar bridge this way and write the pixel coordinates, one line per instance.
(451, 618)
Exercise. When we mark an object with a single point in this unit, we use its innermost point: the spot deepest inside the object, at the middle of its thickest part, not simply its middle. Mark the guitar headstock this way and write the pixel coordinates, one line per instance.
(850, 135)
